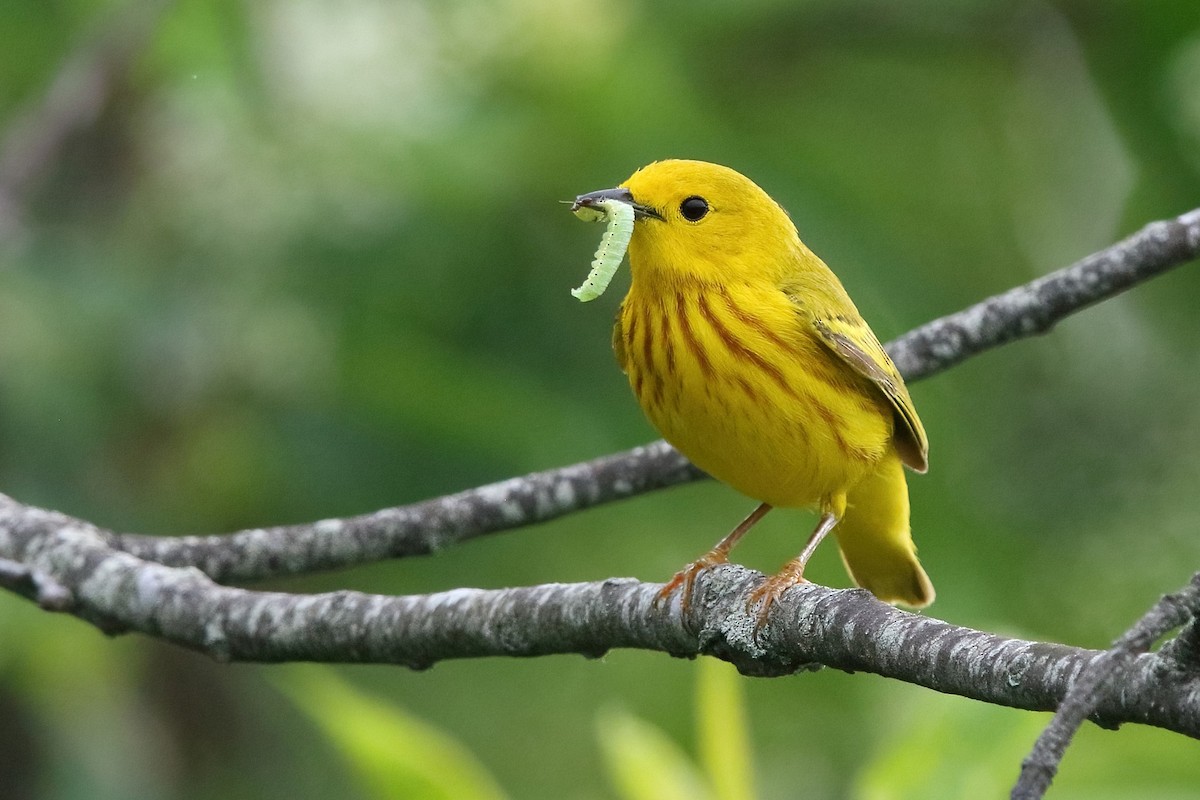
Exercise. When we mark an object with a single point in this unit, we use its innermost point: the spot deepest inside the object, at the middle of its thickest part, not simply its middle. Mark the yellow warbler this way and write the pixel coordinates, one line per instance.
(746, 353)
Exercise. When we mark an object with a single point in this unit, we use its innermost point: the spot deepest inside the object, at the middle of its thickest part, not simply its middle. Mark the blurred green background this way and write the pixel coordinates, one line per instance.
(306, 260)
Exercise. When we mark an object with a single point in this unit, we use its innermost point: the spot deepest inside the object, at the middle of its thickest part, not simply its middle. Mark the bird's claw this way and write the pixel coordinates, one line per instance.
(767, 594)
(685, 578)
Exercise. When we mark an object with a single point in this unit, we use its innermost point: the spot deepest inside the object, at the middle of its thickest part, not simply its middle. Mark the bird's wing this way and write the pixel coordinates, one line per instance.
(854, 343)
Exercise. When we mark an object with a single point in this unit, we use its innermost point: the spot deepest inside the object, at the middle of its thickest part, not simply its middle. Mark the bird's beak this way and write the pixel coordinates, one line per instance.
(619, 194)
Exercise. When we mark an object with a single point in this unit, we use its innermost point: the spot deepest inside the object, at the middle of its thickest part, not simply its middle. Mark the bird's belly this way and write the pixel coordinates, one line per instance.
(776, 426)
(787, 457)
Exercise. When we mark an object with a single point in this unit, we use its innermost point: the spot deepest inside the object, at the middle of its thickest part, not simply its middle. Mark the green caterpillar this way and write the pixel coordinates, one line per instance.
(612, 247)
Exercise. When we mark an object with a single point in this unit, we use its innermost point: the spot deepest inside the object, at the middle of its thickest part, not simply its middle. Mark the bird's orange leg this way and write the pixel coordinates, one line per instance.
(793, 571)
(686, 577)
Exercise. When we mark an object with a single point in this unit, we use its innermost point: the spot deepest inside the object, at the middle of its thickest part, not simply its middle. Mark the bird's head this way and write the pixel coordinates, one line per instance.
(696, 221)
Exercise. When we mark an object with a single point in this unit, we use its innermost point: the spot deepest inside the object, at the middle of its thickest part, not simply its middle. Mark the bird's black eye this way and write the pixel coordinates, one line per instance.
(693, 208)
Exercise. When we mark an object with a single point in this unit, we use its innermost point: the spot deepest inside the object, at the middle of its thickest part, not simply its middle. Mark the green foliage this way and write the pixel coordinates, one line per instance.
(394, 754)
(644, 763)
(723, 730)
(936, 753)
(309, 261)
(933, 752)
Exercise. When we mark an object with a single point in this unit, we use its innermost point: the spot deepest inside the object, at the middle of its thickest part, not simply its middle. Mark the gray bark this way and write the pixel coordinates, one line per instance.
(808, 627)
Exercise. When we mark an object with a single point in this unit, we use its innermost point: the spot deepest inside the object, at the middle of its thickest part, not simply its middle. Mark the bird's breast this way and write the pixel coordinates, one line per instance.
(731, 378)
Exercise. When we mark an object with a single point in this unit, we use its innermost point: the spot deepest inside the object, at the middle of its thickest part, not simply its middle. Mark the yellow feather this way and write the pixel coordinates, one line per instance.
(747, 354)
(856, 344)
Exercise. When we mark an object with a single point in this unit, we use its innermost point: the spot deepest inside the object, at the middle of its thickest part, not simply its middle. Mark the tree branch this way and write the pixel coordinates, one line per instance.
(810, 625)
(420, 528)
(1038, 306)
(435, 524)
(34, 585)
(1088, 692)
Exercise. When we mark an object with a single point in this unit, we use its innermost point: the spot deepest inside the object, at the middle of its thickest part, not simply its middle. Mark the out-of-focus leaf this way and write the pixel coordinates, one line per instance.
(935, 753)
(723, 731)
(644, 763)
(394, 753)
(96, 736)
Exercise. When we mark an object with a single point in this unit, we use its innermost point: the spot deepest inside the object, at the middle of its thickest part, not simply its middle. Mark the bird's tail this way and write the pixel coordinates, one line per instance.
(876, 541)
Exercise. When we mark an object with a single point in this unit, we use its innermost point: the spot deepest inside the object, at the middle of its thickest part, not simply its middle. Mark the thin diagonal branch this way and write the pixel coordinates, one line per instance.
(420, 528)
(1094, 684)
(1038, 306)
(809, 625)
(435, 524)
(1184, 649)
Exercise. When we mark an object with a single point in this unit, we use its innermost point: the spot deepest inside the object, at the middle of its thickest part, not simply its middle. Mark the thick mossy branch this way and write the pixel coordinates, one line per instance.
(811, 625)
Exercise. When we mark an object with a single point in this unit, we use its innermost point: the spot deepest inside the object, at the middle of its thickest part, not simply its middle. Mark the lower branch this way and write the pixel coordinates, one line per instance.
(1088, 692)
(809, 626)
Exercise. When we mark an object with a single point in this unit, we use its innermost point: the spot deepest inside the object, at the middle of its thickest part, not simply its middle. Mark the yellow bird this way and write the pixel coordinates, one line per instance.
(746, 353)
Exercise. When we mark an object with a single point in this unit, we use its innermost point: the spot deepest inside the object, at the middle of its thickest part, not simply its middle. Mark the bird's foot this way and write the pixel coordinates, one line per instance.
(770, 590)
(686, 579)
